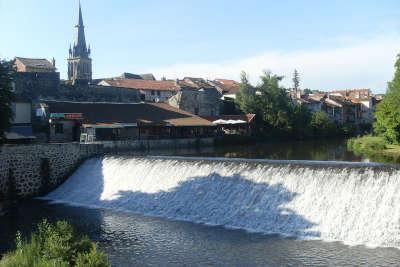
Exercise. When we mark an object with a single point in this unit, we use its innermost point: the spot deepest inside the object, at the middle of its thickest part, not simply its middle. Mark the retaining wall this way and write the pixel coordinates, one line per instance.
(32, 170)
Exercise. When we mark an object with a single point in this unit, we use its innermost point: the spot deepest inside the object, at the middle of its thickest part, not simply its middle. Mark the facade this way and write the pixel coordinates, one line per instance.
(197, 97)
(87, 122)
(79, 61)
(150, 90)
(354, 93)
(228, 88)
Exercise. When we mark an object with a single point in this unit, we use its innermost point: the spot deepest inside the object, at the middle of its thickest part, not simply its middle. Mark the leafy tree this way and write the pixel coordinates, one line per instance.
(275, 104)
(296, 80)
(388, 111)
(6, 95)
(322, 124)
(246, 97)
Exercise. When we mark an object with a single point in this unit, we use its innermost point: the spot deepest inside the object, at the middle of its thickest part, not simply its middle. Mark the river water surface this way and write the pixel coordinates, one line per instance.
(131, 239)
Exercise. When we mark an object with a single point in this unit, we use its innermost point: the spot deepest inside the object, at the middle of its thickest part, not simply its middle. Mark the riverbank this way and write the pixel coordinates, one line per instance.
(376, 148)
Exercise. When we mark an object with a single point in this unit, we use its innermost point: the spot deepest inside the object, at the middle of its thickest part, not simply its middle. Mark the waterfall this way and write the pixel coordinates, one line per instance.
(331, 201)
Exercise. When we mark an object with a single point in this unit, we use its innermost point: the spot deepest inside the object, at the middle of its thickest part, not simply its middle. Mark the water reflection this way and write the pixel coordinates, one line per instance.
(134, 240)
(332, 150)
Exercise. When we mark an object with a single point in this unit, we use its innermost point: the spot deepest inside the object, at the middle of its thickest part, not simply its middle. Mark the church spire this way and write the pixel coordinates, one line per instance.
(79, 61)
(80, 40)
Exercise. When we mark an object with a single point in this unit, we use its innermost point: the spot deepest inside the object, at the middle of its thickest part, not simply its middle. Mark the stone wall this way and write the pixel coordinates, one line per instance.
(33, 170)
(33, 86)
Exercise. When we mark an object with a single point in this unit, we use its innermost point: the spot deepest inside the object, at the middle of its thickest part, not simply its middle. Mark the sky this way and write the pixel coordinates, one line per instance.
(334, 44)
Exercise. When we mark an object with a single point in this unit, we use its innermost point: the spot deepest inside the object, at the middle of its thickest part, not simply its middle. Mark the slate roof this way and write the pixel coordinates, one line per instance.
(143, 84)
(151, 113)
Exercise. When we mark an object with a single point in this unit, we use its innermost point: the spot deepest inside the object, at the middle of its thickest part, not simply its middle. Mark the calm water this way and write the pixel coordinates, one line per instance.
(135, 240)
(332, 150)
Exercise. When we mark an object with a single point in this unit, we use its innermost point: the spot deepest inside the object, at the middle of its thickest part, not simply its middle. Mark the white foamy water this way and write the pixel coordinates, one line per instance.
(353, 204)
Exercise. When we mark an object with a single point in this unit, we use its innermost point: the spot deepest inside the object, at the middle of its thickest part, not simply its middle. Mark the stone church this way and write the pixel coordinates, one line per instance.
(79, 61)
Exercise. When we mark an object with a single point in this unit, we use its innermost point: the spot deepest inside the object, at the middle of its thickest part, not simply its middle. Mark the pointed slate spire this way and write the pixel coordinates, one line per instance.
(80, 41)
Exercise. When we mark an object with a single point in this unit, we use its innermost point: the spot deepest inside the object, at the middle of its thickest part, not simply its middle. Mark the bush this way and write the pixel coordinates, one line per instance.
(368, 145)
(54, 245)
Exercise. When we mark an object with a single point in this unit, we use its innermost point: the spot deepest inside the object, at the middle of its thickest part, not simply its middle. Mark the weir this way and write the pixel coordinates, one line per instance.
(331, 201)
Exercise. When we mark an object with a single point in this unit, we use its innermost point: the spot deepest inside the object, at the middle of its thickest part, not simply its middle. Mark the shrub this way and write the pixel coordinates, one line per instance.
(368, 145)
(54, 245)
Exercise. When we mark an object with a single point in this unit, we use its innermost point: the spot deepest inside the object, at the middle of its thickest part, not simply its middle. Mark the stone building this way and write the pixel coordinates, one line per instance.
(79, 61)
(73, 121)
(150, 90)
(197, 97)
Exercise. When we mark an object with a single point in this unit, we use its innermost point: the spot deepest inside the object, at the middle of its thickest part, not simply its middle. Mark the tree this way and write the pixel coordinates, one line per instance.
(6, 95)
(296, 80)
(274, 102)
(322, 125)
(246, 97)
(388, 111)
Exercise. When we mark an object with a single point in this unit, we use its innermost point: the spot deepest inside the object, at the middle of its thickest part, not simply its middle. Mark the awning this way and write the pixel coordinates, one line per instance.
(19, 133)
(220, 121)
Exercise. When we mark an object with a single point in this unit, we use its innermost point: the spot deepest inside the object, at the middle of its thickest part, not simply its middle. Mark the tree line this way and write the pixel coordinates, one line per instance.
(277, 114)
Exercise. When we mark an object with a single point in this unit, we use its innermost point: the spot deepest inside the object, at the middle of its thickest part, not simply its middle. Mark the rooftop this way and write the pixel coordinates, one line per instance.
(149, 113)
(142, 84)
(36, 63)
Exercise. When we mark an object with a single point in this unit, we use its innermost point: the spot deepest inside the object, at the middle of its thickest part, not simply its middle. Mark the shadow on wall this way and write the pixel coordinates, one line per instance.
(231, 201)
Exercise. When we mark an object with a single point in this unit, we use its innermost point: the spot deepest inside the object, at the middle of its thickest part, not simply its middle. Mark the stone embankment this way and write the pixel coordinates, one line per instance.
(33, 170)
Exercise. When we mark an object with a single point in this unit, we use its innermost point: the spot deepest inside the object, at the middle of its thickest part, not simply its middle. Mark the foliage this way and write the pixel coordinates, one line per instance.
(54, 245)
(6, 95)
(388, 111)
(246, 97)
(274, 103)
(322, 125)
(367, 145)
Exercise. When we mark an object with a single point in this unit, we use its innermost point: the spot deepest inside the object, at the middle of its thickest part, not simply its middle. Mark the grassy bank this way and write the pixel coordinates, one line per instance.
(54, 245)
(376, 148)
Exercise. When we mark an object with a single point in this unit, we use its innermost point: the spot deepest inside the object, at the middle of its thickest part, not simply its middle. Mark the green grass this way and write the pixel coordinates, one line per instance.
(375, 148)
(54, 245)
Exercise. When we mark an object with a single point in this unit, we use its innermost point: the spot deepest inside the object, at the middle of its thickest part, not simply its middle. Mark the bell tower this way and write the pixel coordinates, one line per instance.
(79, 61)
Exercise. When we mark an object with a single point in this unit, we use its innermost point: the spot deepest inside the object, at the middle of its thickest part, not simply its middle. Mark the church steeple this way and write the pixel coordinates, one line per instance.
(79, 61)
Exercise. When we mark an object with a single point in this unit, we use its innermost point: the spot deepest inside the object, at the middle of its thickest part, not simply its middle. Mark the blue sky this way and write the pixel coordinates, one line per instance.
(333, 44)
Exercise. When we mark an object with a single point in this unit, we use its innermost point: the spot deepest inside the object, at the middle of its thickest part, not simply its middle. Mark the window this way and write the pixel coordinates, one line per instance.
(152, 92)
(196, 111)
(58, 128)
(158, 93)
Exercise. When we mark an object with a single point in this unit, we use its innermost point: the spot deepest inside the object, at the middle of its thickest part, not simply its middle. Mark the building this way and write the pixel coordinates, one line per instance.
(228, 88)
(34, 65)
(342, 110)
(354, 93)
(21, 123)
(79, 61)
(73, 121)
(197, 97)
(150, 90)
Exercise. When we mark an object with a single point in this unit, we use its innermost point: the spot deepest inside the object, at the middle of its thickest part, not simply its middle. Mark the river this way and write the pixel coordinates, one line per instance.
(262, 197)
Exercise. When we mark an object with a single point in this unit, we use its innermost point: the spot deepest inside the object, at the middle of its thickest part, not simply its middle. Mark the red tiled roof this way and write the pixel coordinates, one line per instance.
(144, 84)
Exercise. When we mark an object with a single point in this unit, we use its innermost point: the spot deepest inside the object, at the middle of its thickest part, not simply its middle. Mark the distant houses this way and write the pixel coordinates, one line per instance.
(343, 106)
(138, 106)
